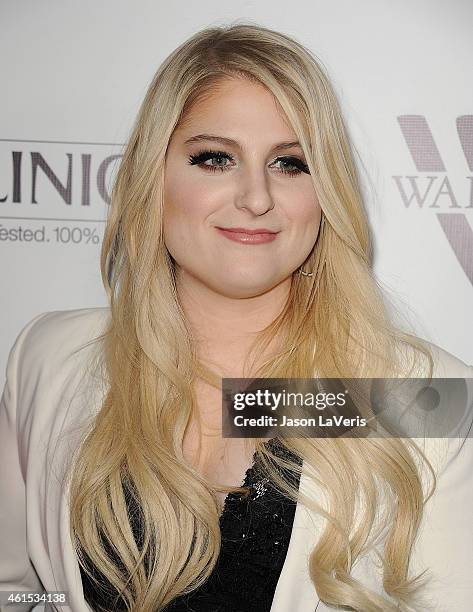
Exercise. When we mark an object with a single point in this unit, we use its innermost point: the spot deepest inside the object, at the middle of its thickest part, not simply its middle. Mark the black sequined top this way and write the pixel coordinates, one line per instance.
(255, 533)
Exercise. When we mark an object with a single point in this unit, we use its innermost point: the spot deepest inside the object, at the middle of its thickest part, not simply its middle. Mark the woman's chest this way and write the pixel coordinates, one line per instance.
(222, 461)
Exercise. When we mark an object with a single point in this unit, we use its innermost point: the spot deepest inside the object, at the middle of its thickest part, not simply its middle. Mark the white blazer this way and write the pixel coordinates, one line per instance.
(51, 387)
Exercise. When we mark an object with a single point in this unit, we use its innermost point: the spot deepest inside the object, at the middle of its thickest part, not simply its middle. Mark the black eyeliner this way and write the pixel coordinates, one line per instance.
(295, 161)
(204, 155)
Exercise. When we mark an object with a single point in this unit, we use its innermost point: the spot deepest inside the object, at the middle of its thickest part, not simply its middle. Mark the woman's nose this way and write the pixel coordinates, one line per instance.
(253, 192)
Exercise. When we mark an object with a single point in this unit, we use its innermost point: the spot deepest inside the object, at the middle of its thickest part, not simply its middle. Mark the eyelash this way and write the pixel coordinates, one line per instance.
(202, 156)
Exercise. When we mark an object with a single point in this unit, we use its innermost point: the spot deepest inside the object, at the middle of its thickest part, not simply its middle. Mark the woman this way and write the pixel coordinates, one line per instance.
(237, 246)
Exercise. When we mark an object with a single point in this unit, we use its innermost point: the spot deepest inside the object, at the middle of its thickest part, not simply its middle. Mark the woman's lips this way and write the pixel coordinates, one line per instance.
(248, 236)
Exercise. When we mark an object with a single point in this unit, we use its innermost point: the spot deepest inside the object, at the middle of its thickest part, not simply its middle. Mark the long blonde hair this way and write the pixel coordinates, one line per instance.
(334, 323)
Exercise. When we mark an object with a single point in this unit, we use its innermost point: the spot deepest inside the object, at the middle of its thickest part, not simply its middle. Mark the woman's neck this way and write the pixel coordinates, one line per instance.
(224, 327)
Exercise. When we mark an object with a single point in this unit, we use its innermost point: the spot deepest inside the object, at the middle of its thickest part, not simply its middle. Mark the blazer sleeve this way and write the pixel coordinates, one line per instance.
(453, 517)
(447, 539)
(17, 573)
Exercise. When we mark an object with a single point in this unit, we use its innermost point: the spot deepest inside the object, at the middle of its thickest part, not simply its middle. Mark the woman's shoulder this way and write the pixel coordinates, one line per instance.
(449, 443)
(52, 335)
(74, 325)
(447, 365)
(49, 356)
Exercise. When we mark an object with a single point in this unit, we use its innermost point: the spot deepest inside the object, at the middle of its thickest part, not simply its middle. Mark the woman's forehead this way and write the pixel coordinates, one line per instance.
(233, 112)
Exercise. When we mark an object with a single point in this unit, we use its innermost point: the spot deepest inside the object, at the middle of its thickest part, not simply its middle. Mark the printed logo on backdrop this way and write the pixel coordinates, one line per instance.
(55, 192)
(432, 187)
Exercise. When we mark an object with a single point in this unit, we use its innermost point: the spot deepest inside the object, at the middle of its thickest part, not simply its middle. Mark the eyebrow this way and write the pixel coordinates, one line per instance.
(230, 142)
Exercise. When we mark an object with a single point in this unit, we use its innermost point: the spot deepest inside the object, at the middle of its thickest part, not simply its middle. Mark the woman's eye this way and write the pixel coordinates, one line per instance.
(291, 166)
(201, 158)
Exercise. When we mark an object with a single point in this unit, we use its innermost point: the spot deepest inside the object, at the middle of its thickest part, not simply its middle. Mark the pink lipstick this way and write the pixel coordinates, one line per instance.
(248, 236)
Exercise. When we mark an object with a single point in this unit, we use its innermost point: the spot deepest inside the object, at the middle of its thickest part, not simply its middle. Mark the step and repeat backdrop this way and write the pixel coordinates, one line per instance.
(74, 73)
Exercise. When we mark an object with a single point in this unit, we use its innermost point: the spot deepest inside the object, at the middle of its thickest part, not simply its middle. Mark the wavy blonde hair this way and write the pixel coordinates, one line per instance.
(334, 324)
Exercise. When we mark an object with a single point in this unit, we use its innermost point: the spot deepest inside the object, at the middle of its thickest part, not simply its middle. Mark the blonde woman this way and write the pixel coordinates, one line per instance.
(237, 245)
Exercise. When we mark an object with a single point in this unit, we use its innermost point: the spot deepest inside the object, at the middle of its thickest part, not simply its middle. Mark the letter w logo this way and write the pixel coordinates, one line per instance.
(426, 157)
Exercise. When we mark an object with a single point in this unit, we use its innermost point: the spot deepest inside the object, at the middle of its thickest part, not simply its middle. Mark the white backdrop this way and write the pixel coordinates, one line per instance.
(74, 73)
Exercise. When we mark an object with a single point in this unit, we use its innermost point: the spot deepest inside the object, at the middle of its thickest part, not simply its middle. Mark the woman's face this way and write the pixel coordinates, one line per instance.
(229, 165)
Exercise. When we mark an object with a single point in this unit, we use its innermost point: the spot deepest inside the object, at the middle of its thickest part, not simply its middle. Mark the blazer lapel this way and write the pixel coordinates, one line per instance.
(295, 590)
